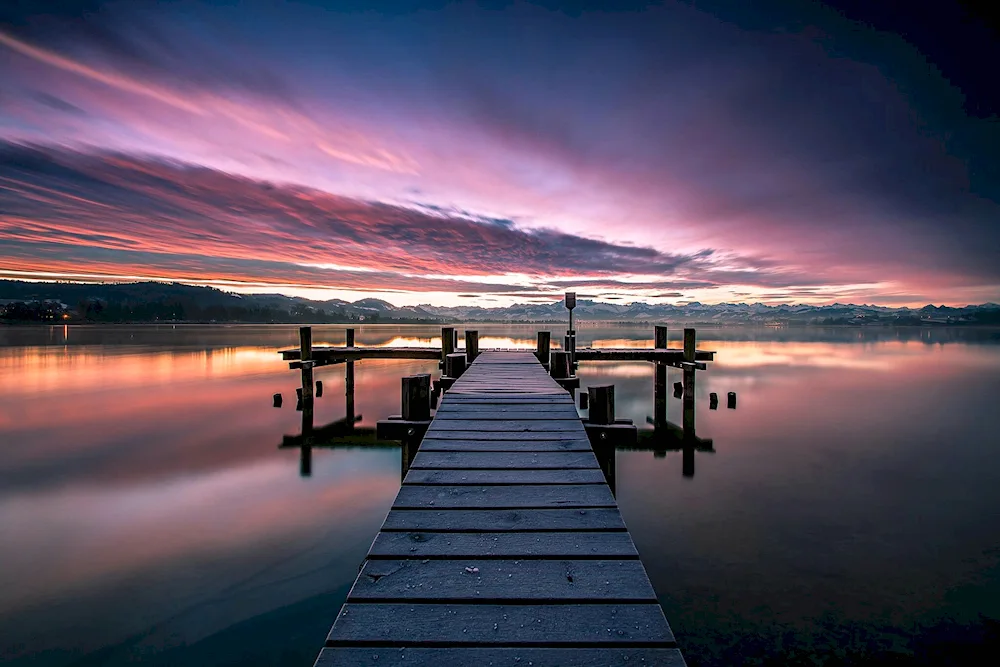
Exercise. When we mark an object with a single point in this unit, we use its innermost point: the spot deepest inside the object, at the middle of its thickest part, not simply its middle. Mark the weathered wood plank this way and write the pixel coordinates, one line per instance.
(500, 477)
(464, 415)
(504, 460)
(446, 445)
(491, 521)
(504, 411)
(536, 496)
(514, 657)
(503, 545)
(512, 580)
(446, 434)
(507, 425)
(405, 624)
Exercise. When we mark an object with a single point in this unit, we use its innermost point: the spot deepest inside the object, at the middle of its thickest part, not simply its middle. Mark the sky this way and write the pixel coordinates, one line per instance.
(498, 152)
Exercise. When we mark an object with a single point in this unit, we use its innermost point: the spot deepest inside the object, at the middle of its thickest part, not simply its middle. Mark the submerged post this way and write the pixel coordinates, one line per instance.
(660, 380)
(542, 348)
(305, 355)
(350, 337)
(471, 346)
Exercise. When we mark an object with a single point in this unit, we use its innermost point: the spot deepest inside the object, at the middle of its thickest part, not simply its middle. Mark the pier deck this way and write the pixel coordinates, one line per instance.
(505, 545)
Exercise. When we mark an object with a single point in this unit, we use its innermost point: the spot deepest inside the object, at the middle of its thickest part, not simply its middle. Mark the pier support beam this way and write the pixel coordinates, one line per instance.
(349, 380)
(471, 346)
(660, 380)
(689, 385)
(542, 348)
(409, 426)
(561, 370)
(448, 335)
(305, 350)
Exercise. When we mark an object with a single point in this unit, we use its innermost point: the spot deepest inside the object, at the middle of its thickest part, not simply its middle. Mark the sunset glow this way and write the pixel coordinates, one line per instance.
(669, 155)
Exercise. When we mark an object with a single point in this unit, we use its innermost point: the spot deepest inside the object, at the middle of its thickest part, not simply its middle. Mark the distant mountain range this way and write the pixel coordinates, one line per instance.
(153, 302)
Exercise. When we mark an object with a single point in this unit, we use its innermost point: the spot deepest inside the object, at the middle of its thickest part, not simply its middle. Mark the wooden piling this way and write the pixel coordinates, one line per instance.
(731, 400)
(319, 389)
(560, 366)
(542, 347)
(602, 404)
(305, 350)
(660, 337)
(416, 398)
(447, 343)
(349, 380)
(713, 401)
(471, 346)
(277, 400)
(454, 364)
(688, 419)
(660, 380)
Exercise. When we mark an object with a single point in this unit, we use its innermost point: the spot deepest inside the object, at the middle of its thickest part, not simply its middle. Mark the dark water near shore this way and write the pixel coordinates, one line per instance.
(849, 515)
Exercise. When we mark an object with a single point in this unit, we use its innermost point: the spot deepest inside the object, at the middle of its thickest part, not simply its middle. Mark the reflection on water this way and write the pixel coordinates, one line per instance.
(151, 510)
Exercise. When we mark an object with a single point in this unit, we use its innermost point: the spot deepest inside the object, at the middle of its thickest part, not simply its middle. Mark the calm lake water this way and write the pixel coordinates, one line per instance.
(850, 513)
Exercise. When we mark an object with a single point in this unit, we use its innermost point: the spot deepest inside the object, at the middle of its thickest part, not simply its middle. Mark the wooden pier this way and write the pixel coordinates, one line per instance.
(505, 545)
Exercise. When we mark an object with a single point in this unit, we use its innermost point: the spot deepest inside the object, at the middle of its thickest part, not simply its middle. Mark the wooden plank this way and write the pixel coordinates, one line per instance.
(504, 497)
(450, 408)
(491, 521)
(565, 414)
(510, 580)
(503, 545)
(501, 425)
(499, 477)
(447, 434)
(515, 657)
(446, 445)
(506, 624)
(504, 460)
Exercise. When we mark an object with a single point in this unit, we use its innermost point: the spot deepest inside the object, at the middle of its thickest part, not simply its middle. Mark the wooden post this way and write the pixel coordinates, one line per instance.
(471, 346)
(305, 354)
(731, 400)
(447, 343)
(660, 337)
(602, 404)
(660, 381)
(454, 365)
(350, 337)
(584, 400)
(713, 401)
(560, 365)
(277, 400)
(688, 418)
(319, 389)
(416, 397)
(542, 348)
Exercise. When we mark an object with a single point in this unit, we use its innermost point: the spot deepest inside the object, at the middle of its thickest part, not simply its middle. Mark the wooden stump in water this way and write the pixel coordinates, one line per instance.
(319, 389)
(731, 400)
(542, 348)
(277, 400)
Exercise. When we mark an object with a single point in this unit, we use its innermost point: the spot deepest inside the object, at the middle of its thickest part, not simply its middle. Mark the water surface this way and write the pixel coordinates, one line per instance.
(850, 512)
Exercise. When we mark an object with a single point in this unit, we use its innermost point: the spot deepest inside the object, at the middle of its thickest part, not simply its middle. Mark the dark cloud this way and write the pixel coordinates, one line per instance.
(127, 204)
